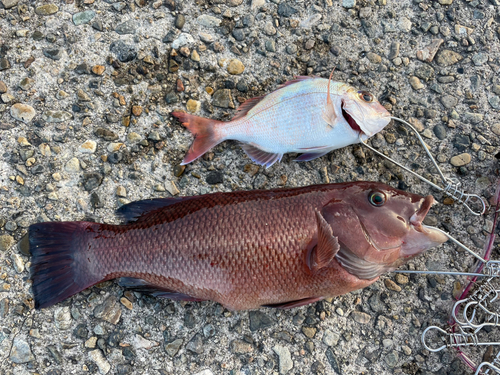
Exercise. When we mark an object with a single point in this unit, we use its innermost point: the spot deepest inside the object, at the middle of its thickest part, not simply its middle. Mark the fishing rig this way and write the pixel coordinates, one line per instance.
(477, 309)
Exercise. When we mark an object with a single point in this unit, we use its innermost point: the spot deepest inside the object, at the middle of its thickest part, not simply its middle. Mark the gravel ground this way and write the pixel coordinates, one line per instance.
(86, 89)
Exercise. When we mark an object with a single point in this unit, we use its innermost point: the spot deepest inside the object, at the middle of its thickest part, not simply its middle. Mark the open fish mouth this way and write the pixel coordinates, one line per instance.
(352, 123)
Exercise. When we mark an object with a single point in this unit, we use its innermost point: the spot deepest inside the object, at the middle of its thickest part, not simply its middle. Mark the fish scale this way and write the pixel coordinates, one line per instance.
(242, 249)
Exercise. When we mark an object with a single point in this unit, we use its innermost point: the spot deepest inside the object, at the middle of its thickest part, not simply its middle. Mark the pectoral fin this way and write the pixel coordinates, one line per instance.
(323, 253)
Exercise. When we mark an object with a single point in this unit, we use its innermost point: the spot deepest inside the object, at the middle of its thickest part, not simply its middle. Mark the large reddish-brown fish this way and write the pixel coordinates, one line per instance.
(281, 248)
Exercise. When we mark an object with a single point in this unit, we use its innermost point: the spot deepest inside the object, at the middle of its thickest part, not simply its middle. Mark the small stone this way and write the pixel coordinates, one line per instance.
(195, 56)
(121, 191)
(394, 50)
(182, 40)
(72, 166)
(415, 83)
(127, 27)
(473, 118)
(206, 38)
(427, 54)
(259, 320)
(285, 359)
(348, 4)
(269, 29)
(401, 279)
(222, 98)
(9, 3)
(215, 177)
(27, 83)
(98, 69)
(208, 21)
(193, 106)
(445, 2)
(284, 9)
(235, 67)
(460, 160)
(494, 102)
(240, 347)
(89, 147)
(62, 318)
(133, 137)
(331, 338)
(125, 302)
(449, 101)
(21, 351)
(100, 360)
(4, 64)
(171, 187)
(195, 345)
(270, 45)
(83, 96)
(47, 9)
(391, 285)
(124, 52)
(374, 58)
(109, 311)
(56, 116)
(6, 242)
(106, 134)
(18, 262)
(309, 332)
(361, 317)
(136, 110)
(172, 348)
(3, 87)
(310, 44)
(404, 24)
(480, 58)
(53, 53)
(180, 20)
(22, 112)
(463, 30)
(82, 18)
(91, 343)
(448, 57)
(495, 128)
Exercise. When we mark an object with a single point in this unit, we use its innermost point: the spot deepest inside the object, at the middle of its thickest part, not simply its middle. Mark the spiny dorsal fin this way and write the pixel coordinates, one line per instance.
(323, 253)
(328, 113)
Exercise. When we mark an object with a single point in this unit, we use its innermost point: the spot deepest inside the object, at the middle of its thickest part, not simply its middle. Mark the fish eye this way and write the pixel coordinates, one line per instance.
(366, 96)
(377, 198)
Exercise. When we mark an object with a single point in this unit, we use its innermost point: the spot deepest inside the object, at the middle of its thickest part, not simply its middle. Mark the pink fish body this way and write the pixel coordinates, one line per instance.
(245, 249)
(308, 115)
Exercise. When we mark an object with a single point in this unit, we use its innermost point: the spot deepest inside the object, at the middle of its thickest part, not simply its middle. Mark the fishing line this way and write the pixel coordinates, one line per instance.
(452, 185)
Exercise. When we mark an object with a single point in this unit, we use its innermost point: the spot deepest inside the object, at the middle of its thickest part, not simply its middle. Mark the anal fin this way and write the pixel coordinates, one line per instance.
(140, 285)
(292, 304)
(260, 156)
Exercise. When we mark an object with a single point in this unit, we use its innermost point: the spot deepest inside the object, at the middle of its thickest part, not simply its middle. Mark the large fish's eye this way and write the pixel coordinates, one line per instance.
(366, 96)
(377, 198)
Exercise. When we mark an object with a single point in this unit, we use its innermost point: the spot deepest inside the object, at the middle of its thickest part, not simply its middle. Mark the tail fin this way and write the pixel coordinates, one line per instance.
(205, 135)
(56, 270)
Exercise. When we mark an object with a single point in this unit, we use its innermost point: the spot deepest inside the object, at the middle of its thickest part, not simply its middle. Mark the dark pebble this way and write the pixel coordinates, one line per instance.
(171, 97)
(430, 113)
(335, 50)
(259, 320)
(115, 337)
(242, 86)
(106, 134)
(239, 34)
(55, 353)
(24, 244)
(402, 185)
(462, 142)
(54, 54)
(37, 36)
(189, 320)
(248, 20)
(81, 331)
(4, 64)
(286, 10)
(76, 108)
(51, 38)
(97, 25)
(95, 201)
(127, 27)
(83, 68)
(195, 345)
(91, 180)
(128, 353)
(170, 37)
(431, 280)
(115, 157)
(170, 4)
(122, 369)
(101, 344)
(440, 131)
(228, 84)
(124, 52)
(332, 360)
(179, 170)
(37, 169)
(180, 21)
(215, 177)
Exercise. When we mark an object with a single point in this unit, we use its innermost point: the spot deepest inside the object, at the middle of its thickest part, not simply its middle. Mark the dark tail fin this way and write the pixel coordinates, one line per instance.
(204, 131)
(56, 270)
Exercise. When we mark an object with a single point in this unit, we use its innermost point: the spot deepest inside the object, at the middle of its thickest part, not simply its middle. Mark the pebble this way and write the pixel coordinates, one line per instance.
(391, 285)
(449, 101)
(56, 116)
(259, 320)
(107, 135)
(374, 58)
(240, 347)
(142, 343)
(47, 9)
(21, 351)
(172, 348)
(127, 27)
(115, 146)
(494, 102)
(205, 372)
(429, 52)
(235, 67)
(91, 343)
(27, 83)
(415, 83)
(285, 359)
(193, 106)
(309, 332)
(331, 338)
(53, 53)
(348, 4)
(404, 24)
(269, 29)
(180, 20)
(447, 57)
(480, 58)
(9, 3)
(195, 345)
(495, 128)
(195, 56)
(136, 110)
(391, 358)
(171, 187)
(124, 52)
(98, 70)
(89, 147)
(100, 360)
(72, 166)
(394, 50)
(460, 160)
(222, 98)
(6, 242)
(84, 17)
(121, 191)
(22, 112)
(125, 302)
(361, 317)
(133, 137)
(18, 262)
(270, 45)
(109, 311)
(208, 21)
(3, 87)
(206, 38)
(473, 118)
(182, 40)
(62, 317)
(440, 131)
(406, 350)
(7, 98)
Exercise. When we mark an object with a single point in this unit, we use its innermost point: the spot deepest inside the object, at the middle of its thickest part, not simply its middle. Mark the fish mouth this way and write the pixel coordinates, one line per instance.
(352, 123)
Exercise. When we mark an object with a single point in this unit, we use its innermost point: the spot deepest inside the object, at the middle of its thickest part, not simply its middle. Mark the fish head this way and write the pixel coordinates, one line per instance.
(363, 112)
(379, 227)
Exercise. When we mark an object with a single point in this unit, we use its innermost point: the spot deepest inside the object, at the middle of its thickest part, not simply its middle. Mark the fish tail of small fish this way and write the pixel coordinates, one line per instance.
(204, 131)
(58, 269)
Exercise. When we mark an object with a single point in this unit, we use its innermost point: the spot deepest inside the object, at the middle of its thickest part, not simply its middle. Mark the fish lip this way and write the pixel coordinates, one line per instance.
(418, 217)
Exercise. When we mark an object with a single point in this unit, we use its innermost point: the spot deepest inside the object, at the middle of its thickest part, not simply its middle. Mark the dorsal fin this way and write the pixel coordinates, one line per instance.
(138, 211)
(328, 113)
(244, 108)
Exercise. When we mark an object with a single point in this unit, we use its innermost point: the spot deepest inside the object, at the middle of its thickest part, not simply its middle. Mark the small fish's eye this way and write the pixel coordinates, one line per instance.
(366, 96)
(377, 198)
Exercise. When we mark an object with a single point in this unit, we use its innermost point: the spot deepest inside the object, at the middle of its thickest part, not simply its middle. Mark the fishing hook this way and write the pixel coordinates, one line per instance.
(452, 185)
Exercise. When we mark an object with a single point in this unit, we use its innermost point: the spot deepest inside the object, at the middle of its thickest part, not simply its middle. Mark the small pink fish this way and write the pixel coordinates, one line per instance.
(309, 115)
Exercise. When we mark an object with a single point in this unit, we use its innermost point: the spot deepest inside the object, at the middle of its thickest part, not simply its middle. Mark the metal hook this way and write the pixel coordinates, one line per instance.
(451, 184)
(487, 371)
